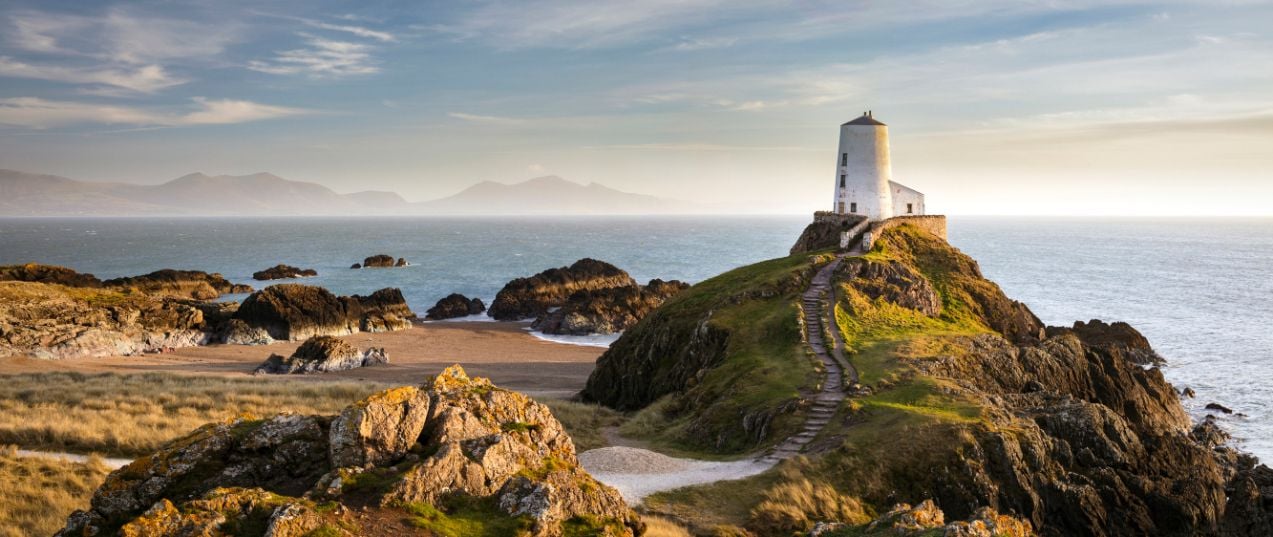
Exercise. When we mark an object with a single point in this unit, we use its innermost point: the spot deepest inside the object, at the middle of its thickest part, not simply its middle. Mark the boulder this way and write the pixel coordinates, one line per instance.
(527, 298)
(295, 312)
(282, 272)
(606, 311)
(391, 455)
(356, 266)
(238, 332)
(453, 306)
(321, 354)
(380, 429)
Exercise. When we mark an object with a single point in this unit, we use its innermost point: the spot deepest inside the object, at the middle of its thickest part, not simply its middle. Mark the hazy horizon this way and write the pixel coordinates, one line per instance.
(1069, 108)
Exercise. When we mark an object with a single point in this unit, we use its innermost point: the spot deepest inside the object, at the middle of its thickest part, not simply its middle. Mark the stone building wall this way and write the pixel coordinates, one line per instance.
(932, 223)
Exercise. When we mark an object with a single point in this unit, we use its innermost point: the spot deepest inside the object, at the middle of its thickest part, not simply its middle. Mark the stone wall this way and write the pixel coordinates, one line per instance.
(825, 231)
(931, 223)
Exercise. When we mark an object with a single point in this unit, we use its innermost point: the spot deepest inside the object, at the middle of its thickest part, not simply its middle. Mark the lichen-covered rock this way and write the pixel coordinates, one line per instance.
(379, 429)
(405, 447)
(322, 354)
(453, 306)
(283, 272)
(283, 455)
(906, 518)
(987, 522)
(607, 311)
(527, 298)
(296, 312)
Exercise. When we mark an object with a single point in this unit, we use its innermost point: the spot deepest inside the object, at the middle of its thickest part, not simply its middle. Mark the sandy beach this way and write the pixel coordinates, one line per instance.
(505, 352)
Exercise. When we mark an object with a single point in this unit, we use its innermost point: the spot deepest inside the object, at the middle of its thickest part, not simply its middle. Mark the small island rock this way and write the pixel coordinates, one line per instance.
(453, 306)
(383, 261)
(294, 312)
(527, 298)
(282, 272)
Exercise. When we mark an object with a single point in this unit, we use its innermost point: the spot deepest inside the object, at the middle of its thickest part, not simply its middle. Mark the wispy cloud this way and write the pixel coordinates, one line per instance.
(38, 113)
(360, 31)
(490, 120)
(321, 58)
(117, 52)
(142, 79)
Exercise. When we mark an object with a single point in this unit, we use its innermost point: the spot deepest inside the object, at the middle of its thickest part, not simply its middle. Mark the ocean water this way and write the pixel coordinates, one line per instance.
(1199, 289)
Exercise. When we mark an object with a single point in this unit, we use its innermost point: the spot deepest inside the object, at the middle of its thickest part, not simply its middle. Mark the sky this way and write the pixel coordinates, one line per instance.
(1036, 107)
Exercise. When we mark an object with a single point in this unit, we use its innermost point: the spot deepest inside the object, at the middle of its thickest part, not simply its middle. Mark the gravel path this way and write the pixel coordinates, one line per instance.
(637, 473)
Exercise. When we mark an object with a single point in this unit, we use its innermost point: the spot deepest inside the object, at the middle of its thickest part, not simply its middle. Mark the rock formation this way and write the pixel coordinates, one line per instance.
(527, 298)
(194, 284)
(608, 310)
(972, 403)
(381, 261)
(283, 272)
(453, 306)
(37, 273)
(191, 284)
(455, 447)
(824, 232)
(296, 312)
(322, 354)
(54, 321)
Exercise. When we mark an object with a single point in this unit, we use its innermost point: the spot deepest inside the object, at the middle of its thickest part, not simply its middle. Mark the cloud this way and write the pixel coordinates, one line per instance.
(322, 58)
(490, 120)
(141, 79)
(692, 44)
(115, 53)
(359, 31)
(38, 113)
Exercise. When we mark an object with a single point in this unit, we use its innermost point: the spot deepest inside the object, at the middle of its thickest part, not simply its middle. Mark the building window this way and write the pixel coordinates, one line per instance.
(841, 180)
(844, 159)
(853, 207)
(910, 208)
(841, 211)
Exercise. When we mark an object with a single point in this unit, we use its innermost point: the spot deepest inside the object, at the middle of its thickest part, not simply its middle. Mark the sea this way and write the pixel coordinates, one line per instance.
(1200, 289)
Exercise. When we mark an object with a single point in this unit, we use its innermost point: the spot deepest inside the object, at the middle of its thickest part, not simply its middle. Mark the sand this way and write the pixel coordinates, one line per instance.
(503, 351)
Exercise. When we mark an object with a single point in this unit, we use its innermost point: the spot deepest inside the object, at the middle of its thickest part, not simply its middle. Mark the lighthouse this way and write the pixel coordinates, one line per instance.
(864, 176)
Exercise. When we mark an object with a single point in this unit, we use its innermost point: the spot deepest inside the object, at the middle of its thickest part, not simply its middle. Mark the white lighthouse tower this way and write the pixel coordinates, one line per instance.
(864, 176)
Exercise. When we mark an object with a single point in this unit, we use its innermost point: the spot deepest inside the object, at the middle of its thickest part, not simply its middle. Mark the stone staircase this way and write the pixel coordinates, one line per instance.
(817, 303)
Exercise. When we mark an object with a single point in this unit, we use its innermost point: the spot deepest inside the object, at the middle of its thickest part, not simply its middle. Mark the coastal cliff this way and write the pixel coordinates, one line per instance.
(965, 399)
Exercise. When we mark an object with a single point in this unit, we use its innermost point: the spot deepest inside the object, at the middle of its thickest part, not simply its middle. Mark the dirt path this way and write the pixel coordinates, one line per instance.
(638, 472)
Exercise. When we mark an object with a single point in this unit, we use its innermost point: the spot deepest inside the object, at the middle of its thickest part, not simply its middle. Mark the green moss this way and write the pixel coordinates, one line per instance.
(465, 516)
(326, 530)
(374, 480)
(590, 526)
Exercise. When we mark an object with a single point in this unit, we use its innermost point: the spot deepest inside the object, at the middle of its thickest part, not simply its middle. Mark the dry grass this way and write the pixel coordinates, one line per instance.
(40, 493)
(584, 422)
(661, 527)
(129, 415)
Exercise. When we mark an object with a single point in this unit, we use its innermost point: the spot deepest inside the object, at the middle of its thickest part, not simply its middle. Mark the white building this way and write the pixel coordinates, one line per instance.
(864, 176)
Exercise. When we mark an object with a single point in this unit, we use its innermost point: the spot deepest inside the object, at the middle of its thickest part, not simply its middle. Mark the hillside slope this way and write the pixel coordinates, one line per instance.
(970, 403)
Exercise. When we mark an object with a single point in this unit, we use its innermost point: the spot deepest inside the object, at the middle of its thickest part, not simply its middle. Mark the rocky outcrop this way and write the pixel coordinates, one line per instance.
(893, 282)
(166, 283)
(283, 272)
(381, 261)
(54, 321)
(1118, 336)
(238, 332)
(193, 284)
(37, 273)
(394, 455)
(607, 311)
(295, 312)
(824, 232)
(323, 354)
(453, 306)
(527, 298)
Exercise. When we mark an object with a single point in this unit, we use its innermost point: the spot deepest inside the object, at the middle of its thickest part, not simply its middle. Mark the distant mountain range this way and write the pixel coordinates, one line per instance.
(264, 194)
